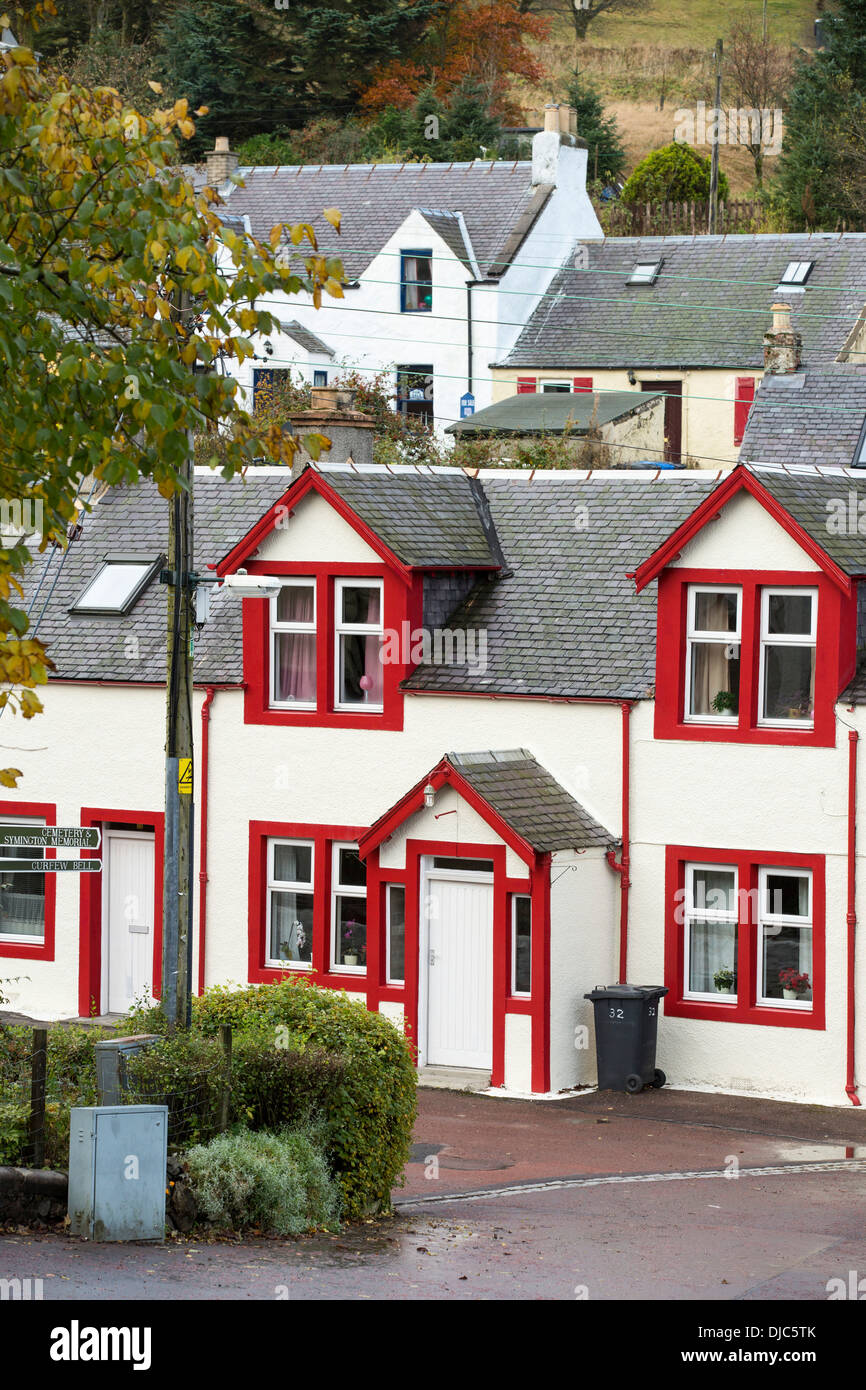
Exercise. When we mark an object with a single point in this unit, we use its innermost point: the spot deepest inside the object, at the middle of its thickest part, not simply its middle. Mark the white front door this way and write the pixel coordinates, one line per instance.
(127, 917)
(459, 973)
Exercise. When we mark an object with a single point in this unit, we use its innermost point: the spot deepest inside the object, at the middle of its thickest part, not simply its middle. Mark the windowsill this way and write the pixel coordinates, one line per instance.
(706, 731)
(785, 1014)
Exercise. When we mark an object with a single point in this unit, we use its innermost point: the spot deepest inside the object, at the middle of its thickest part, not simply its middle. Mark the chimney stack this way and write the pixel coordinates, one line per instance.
(560, 128)
(782, 345)
(221, 162)
(332, 413)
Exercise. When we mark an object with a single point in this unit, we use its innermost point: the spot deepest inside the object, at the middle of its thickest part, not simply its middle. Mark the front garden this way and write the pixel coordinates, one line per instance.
(291, 1107)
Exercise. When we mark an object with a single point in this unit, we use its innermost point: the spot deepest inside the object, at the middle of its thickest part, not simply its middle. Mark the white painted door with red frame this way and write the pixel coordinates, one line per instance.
(459, 970)
(128, 866)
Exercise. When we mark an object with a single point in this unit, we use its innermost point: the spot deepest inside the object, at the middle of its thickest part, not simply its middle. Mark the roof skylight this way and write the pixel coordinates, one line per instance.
(645, 273)
(796, 273)
(117, 584)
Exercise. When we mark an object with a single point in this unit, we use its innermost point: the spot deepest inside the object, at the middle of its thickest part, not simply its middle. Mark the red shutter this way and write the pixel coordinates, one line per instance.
(583, 383)
(526, 384)
(745, 395)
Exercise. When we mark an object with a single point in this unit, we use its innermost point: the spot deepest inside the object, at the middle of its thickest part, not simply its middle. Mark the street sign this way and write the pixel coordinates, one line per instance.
(50, 836)
(467, 405)
(49, 866)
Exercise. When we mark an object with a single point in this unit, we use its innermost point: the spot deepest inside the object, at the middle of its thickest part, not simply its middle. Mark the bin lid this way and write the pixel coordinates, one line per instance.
(627, 992)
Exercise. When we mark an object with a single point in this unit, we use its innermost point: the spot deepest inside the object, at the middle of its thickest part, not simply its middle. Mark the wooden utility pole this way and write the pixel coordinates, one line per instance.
(179, 820)
(714, 167)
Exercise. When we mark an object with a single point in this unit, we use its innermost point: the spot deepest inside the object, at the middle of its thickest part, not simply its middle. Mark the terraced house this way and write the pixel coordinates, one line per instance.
(632, 754)
(693, 317)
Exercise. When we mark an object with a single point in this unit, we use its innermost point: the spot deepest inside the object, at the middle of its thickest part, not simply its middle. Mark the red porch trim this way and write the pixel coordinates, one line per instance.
(44, 949)
(90, 916)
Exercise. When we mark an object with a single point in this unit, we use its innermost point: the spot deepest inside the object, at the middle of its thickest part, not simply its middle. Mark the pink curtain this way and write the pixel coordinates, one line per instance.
(373, 668)
(296, 666)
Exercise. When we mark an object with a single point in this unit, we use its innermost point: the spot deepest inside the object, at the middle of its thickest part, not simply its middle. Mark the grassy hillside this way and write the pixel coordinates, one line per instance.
(649, 63)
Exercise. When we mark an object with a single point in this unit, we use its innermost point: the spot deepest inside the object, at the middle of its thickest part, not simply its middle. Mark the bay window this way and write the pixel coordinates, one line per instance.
(788, 648)
(293, 645)
(358, 632)
(349, 909)
(713, 653)
(290, 901)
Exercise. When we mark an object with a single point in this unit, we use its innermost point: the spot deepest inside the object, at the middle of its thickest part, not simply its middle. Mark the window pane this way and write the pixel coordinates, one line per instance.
(112, 586)
(714, 890)
(360, 670)
(522, 945)
(22, 896)
(712, 947)
(351, 928)
(417, 282)
(787, 951)
(350, 868)
(295, 667)
(715, 679)
(789, 613)
(361, 605)
(296, 603)
(789, 682)
(293, 863)
(475, 866)
(291, 926)
(787, 895)
(396, 933)
(715, 612)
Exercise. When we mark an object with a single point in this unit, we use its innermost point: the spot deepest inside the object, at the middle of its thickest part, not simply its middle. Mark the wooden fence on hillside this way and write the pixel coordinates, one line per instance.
(678, 219)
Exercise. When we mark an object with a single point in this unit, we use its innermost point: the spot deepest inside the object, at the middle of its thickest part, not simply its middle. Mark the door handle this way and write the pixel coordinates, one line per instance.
(431, 956)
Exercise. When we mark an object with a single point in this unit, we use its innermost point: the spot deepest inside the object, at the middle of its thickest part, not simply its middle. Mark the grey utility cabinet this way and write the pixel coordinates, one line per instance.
(117, 1156)
(111, 1055)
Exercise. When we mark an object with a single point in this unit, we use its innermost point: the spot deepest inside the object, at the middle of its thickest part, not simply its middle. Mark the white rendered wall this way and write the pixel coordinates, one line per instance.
(584, 945)
(745, 537)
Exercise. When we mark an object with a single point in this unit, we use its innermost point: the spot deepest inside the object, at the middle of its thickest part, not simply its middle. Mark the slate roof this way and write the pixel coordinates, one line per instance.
(709, 307)
(304, 337)
(376, 199)
(448, 226)
(560, 618)
(531, 801)
(549, 412)
(807, 417)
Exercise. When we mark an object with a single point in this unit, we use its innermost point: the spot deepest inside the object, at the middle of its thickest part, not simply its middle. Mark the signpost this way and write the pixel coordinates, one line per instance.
(20, 836)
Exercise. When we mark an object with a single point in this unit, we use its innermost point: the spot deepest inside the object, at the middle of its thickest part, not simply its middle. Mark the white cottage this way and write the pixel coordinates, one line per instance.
(494, 740)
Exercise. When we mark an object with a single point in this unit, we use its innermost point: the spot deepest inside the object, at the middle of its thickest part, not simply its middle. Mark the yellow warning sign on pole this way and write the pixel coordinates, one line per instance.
(184, 775)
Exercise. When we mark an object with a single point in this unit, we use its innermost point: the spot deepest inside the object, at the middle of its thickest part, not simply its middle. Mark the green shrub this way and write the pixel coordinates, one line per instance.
(277, 1086)
(185, 1074)
(675, 173)
(370, 1113)
(276, 1182)
(14, 1117)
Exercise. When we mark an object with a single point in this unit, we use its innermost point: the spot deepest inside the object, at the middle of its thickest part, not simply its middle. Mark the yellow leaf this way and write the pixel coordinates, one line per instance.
(276, 233)
(155, 87)
(334, 288)
(9, 776)
(334, 216)
(157, 250)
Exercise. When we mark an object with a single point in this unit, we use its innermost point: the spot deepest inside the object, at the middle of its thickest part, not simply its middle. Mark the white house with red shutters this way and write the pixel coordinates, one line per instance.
(490, 741)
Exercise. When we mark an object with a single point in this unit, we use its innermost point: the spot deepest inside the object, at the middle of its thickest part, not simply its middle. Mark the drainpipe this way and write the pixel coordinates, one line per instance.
(622, 868)
(853, 739)
(469, 337)
(202, 870)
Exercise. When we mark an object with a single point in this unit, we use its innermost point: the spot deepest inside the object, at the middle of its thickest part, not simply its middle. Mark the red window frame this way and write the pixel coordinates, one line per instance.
(745, 1008)
(834, 656)
(582, 383)
(526, 385)
(43, 950)
(401, 604)
(321, 971)
(744, 397)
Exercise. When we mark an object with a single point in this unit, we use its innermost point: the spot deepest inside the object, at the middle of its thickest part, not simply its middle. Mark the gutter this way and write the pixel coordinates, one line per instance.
(622, 868)
(853, 739)
(202, 871)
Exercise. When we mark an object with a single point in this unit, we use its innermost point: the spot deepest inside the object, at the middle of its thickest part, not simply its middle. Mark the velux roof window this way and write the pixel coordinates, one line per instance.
(645, 273)
(117, 584)
(796, 273)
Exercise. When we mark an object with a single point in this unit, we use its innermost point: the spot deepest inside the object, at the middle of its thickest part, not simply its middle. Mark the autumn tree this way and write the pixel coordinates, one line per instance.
(103, 380)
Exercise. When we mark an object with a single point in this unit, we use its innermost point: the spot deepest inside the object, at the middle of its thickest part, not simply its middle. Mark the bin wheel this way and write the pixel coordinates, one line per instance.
(659, 1078)
(633, 1084)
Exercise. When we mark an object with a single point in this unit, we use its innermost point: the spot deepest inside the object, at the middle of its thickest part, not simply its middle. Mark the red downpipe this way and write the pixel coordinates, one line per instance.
(853, 739)
(622, 868)
(202, 853)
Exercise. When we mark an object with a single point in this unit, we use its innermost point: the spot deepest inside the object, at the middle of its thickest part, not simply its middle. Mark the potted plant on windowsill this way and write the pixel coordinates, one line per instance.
(724, 981)
(352, 949)
(725, 702)
(794, 984)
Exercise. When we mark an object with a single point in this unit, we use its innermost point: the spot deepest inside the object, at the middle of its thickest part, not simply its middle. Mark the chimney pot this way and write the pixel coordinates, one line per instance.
(221, 161)
(551, 116)
(782, 344)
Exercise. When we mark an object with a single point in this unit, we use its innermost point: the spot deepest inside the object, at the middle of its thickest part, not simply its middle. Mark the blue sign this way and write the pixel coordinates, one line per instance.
(467, 405)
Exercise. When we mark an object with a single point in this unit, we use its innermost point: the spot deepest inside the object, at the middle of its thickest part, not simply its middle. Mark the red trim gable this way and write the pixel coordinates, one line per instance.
(443, 774)
(740, 478)
(308, 481)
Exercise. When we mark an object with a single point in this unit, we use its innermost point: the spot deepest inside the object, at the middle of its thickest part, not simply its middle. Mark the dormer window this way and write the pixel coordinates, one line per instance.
(117, 585)
(416, 282)
(796, 274)
(645, 273)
